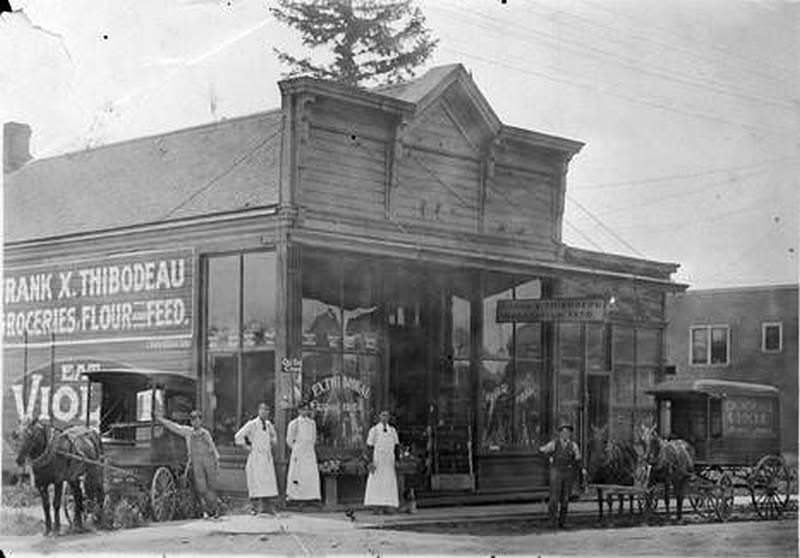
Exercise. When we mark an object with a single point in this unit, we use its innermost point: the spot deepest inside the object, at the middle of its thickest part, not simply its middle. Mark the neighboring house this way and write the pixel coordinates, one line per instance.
(746, 334)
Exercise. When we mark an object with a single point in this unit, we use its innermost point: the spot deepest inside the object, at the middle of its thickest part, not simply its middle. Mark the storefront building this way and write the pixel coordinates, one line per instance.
(354, 248)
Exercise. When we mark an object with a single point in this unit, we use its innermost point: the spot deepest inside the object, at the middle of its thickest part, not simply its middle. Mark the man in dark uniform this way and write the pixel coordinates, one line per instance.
(565, 463)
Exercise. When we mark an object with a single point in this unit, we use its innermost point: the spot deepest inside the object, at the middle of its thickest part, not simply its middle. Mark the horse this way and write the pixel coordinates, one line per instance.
(671, 462)
(611, 462)
(58, 457)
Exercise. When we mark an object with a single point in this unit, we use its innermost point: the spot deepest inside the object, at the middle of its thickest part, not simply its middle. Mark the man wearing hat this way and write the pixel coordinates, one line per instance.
(203, 459)
(565, 460)
(302, 480)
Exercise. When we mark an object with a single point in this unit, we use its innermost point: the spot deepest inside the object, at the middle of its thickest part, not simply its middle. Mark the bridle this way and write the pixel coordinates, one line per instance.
(47, 454)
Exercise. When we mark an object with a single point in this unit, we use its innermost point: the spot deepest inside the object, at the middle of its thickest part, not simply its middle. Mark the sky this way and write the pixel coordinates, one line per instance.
(690, 110)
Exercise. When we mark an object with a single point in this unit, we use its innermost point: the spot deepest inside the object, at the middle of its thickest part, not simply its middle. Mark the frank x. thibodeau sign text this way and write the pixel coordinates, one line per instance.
(141, 295)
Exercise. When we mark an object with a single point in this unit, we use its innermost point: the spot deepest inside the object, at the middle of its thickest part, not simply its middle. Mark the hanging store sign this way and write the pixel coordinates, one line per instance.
(138, 296)
(552, 310)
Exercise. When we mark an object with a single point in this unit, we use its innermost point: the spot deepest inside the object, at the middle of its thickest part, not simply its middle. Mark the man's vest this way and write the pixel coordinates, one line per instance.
(564, 456)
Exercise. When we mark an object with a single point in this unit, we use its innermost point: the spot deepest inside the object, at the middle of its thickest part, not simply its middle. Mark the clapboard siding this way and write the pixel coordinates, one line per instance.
(438, 130)
(340, 174)
(467, 115)
(516, 154)
(437, 190)
(519, 204)
(361, 121)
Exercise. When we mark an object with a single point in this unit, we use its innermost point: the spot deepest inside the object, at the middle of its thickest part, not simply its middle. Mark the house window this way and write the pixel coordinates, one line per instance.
(710, 345)
(772, 337)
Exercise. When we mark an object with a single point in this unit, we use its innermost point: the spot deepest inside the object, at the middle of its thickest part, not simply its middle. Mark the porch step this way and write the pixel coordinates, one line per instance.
(437, 499)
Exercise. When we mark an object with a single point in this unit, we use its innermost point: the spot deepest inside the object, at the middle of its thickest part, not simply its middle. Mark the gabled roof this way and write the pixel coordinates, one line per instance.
(215, 168)
(419, 89)
(429, 87)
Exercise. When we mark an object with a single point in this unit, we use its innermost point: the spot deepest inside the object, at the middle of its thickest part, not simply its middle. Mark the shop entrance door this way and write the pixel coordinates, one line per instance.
(412, 335)
(598, 398)
(429, 383)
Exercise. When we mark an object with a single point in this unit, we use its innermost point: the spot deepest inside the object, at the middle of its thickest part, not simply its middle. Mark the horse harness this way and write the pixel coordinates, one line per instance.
(44, 459)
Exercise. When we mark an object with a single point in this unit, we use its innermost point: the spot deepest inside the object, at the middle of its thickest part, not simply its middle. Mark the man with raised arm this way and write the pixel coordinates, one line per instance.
(203, 459)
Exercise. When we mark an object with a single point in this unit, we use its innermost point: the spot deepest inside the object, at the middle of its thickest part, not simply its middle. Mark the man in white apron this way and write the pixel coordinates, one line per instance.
(302, 480)
(382, 442)
(258, 436)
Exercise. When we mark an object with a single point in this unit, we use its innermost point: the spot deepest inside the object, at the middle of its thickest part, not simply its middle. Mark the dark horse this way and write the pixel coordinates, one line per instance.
(671, 462)
(611, 462)
(58, 457)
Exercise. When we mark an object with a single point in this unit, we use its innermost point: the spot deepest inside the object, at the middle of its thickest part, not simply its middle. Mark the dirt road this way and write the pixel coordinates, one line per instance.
(298, 535)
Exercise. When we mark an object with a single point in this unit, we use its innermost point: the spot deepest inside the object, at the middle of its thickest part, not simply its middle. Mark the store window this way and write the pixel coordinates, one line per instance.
(511, 372)
(341, 348)
(772, 337)
(240, 341)
(710, 345)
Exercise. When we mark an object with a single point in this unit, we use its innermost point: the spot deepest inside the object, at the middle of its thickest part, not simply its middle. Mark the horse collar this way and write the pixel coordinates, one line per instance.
(47, 455)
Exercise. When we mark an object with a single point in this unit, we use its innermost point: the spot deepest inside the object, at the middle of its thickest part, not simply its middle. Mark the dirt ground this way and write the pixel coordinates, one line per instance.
(308, 535)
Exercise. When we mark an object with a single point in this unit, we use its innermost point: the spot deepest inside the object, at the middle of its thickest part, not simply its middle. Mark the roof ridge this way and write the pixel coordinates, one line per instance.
(158, 135)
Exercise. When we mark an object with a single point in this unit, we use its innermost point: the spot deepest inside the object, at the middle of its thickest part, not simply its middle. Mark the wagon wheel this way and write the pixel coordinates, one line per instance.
(697, 499)
(698, 496)
(770, 487)
(649, 502)
(721, 497)
(187, 505)
(162, 494)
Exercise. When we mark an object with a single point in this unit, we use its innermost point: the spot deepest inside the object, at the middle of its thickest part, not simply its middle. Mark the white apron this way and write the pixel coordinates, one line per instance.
(302, 480)
(382, 483)
(260, 469)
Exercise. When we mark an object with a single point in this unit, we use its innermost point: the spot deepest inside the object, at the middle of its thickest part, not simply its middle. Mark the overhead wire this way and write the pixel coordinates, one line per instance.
(753, 207)
(704, 188)
(682, 176)
(239, 160)
(638, 100)
(727, 52)
(604, 226)
(597, 53)
(584, 236)
(671, 46)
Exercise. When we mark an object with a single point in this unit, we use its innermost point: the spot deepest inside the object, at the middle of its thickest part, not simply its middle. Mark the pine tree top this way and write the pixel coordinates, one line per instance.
(373, 41)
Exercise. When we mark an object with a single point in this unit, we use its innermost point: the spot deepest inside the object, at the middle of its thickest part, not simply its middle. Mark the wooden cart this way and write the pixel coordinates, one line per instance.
(734, 428)
(144, 464)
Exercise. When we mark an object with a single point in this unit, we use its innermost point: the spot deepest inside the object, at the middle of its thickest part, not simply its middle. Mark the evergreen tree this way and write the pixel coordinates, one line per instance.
(378, 41)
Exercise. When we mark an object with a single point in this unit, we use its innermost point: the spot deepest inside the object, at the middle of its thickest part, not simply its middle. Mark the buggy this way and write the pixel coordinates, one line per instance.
(734, 428)
(144, 464)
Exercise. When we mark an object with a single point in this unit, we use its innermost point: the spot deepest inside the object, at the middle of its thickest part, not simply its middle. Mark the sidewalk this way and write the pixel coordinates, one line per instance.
(322, 522)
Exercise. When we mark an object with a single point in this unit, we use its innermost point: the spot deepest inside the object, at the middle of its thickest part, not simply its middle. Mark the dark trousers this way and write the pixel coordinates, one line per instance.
(560, 490)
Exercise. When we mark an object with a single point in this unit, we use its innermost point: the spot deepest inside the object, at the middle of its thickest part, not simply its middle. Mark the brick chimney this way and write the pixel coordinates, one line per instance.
(16, 146)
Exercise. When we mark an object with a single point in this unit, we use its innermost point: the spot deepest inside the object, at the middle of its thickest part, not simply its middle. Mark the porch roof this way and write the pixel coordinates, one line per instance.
(710, 386)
